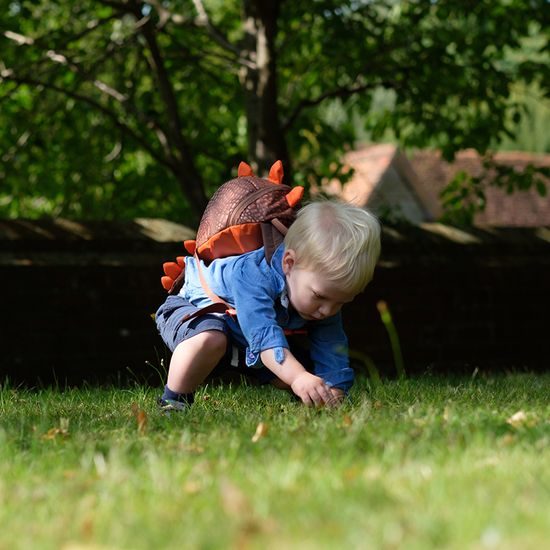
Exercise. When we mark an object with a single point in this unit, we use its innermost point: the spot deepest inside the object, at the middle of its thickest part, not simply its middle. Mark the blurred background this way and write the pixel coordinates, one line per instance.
(118, 119)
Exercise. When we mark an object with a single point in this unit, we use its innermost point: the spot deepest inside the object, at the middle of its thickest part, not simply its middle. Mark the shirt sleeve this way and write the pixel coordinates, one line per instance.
(329, 352)
(254, 299)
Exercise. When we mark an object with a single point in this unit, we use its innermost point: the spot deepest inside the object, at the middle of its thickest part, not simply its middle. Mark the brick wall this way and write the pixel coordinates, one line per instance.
(77, 299)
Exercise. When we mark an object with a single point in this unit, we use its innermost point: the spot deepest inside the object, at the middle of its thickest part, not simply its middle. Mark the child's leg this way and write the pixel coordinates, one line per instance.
(194, 359)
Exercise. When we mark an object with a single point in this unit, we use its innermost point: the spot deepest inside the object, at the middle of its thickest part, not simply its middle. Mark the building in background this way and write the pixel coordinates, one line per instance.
(386, 180)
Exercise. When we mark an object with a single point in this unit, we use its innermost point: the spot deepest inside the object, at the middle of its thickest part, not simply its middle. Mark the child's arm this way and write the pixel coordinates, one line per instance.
(328, 351)
(311, 389)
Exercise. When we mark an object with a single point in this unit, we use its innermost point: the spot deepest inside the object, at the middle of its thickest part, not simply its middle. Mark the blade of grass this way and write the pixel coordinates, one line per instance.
(386, 317)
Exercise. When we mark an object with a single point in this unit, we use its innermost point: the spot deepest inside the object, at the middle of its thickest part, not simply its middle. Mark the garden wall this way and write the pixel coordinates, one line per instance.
(78, 297)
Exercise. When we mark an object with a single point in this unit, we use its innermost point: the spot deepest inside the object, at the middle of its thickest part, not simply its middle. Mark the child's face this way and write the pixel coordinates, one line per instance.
(311, 294)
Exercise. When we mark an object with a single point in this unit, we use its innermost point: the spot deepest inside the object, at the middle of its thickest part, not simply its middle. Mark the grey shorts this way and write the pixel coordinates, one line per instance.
(173, 330)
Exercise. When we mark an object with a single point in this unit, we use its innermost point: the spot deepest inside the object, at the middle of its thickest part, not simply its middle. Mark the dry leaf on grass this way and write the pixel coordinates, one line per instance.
(84, 546)
(261, 431)
(234, 501)
(192, 487)
(60, 431)
(521, 418)
(191, 448)
(347, 421)
(507, 440)
(141, 418)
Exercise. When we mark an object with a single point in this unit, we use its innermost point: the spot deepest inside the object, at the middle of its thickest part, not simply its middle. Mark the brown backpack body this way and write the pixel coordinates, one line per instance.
(244, 214)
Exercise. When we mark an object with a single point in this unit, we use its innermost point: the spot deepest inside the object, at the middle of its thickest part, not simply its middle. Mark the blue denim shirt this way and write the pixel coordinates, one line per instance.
(257, 290)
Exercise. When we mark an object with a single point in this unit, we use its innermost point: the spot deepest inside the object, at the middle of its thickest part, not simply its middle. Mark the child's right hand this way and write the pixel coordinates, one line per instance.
(312, 390)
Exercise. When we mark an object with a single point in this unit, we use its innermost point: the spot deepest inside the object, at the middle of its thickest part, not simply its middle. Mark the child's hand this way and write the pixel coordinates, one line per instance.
(312, 390)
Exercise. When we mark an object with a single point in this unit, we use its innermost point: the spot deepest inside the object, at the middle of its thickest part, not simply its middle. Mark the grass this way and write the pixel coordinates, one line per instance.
(417, 463)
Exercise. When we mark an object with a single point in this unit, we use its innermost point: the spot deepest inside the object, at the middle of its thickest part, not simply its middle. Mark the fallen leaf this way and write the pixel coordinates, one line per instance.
(192, 487)
(261, 431)
(141, 418)
(507, 440)
(347, 421)
(83, 546)
(62, 430)
(191, 448)
(234, 501)
(87, 528)
(351, 473)
(517, 419)
(52, 433)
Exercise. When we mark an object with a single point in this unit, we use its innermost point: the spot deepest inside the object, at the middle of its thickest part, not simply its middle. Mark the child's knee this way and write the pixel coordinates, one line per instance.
(215, 342)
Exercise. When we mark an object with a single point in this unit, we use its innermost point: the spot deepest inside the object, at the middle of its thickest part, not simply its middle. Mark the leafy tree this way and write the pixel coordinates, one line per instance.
(122, 107)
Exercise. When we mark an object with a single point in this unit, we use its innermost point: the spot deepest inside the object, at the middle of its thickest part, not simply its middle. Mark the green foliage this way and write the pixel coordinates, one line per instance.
(117, 109)
(529, 123)
(87, 137)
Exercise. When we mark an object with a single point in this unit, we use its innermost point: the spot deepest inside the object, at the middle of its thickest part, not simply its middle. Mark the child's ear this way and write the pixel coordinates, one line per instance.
(289, 260)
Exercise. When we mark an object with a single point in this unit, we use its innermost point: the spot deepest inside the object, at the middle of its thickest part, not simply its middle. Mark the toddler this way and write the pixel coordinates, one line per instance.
(327, 258)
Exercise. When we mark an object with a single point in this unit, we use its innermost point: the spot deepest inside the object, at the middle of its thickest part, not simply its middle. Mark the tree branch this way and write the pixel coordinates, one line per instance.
(342, 92)
(9, 75)
(202, 20)
(62, 59)
(185, 53)
(87, 76)
(90, 28)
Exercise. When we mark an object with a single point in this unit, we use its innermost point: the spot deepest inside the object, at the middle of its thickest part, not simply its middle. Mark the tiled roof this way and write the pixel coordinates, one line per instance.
(522, 208)
(383, 179)
(383, 174)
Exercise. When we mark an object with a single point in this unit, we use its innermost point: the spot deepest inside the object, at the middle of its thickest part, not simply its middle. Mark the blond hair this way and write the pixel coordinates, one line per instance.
(337, 239)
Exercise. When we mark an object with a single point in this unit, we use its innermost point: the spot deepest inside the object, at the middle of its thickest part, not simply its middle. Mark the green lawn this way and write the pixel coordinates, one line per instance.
(422, 463)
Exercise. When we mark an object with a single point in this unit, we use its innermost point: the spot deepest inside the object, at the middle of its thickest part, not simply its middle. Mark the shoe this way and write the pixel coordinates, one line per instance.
(169, 405)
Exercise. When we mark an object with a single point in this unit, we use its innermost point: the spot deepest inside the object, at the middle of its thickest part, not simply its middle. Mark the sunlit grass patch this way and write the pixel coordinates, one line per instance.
(419, 463)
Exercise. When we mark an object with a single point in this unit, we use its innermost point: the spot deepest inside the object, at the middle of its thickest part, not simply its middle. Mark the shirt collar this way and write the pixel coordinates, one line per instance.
(277, 267)
(277, 260)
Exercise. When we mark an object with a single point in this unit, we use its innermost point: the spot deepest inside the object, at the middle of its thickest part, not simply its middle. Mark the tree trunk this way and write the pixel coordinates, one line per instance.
(266, 140)
(192, 187)
(178, 151)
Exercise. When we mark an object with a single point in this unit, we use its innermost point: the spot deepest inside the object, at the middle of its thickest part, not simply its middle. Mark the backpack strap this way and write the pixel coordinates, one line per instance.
(216, 307)
(222, 306)
(273, 234)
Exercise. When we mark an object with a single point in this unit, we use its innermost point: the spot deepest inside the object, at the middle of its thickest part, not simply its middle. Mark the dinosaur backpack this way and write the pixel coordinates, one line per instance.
(244, 214)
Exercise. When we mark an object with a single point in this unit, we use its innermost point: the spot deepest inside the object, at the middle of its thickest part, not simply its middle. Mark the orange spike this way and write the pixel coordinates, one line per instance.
(276, 172)
(166, 282)
(172, 269)
(190, 246)
(244, 170)
(181, 261)
(295, 195)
